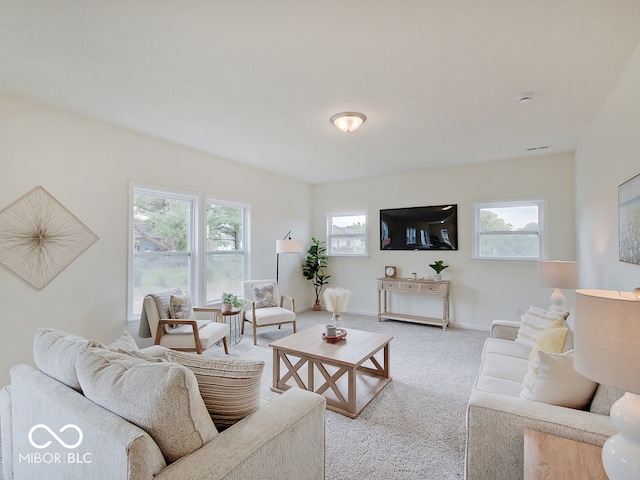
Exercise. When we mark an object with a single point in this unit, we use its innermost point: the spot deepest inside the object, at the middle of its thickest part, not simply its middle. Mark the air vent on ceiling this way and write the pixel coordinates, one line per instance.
(533, 149)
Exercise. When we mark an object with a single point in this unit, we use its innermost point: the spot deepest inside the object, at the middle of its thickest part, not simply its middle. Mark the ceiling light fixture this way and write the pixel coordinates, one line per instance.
(348, 121)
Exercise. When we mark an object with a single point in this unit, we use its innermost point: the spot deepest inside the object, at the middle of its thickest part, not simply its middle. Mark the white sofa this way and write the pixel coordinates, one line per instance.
(52, 430)
(497, 415)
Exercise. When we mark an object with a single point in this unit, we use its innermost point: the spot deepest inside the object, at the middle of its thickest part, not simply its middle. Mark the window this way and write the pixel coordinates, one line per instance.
(225, 249)
(167, 251)
(509, 230)
(163, 243)
(347, 234)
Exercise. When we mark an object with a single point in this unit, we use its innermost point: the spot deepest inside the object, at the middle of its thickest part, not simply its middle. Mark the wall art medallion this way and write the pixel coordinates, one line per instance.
(629, 220)
(39, 238)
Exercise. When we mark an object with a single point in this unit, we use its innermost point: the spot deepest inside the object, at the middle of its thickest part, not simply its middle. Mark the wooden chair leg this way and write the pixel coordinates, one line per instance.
(255, 336)
(242, 326)
(295, 329)
(226, 345)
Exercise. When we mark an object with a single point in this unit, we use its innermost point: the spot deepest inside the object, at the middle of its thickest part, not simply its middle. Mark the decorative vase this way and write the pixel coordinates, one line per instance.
(336, 321)
(437, 277)
(226, 307)
(316, 306)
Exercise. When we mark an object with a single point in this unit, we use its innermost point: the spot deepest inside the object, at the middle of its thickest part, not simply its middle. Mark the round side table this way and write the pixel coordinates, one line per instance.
(234, 319)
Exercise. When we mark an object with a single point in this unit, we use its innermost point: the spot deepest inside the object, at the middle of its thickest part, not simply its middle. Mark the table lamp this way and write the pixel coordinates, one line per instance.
(286, 245)
(558, 274)
(607, 350)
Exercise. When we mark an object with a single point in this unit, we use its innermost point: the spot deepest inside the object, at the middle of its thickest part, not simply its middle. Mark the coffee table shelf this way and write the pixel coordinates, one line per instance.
(348, 373)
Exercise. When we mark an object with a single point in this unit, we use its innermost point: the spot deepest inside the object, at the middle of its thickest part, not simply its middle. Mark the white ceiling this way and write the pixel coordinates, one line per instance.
(256, 81)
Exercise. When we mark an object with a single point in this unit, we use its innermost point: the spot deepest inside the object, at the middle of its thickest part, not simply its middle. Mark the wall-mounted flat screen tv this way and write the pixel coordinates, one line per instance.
(419, 228)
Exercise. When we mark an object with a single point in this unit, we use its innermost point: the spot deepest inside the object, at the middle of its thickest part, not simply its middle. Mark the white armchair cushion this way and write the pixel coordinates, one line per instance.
(270, 316)
(230, 388)
(210, 333)
(161, 398)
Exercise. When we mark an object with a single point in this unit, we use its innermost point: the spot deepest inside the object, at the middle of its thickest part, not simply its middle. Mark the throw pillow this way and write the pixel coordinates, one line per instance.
(552, 379)
(181, 308)
(125, 343)
(264, 295)
(161, 398)
(55, 352)
(551, 339)
(230, 388)
(533, 322)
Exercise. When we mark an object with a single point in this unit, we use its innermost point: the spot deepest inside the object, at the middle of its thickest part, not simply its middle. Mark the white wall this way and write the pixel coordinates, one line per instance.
(481, 290)
(88, 166)
(607, 157)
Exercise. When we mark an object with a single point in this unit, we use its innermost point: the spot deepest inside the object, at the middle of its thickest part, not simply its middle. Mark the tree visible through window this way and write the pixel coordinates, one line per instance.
(510, 230)
(225, 250)
(171, 247)
(162, 243)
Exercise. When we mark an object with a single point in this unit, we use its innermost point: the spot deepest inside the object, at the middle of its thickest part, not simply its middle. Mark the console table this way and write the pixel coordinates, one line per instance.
(408, 285)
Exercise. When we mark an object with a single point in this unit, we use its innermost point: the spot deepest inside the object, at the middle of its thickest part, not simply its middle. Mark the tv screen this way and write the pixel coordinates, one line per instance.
(419, 228)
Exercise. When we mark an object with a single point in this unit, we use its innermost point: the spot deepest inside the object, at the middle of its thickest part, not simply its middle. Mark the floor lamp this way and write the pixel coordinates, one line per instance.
(286, 245)
(607, 350)
(557, 274)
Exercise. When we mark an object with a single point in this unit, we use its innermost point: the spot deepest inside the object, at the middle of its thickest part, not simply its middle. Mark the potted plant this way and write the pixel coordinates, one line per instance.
(230, 301)
(438, 266)
(313, 267)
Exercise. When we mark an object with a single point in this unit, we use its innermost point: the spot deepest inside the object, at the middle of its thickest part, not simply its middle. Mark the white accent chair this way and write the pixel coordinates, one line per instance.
(189, 335)
(265, 307)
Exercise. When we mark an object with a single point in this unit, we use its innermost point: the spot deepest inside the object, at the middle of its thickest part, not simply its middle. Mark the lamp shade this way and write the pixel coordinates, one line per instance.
(558, 274)
(607, 338)
(288, 246)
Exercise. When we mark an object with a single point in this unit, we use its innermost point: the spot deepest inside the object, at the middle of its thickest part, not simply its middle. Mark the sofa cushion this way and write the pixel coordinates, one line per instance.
(230, 388)
(552, 379)
(162, 398)
(551, 339)
(125, 343)
(534, 321)
(506, 368)
(507, 348)
(604, 399)
(55, 352)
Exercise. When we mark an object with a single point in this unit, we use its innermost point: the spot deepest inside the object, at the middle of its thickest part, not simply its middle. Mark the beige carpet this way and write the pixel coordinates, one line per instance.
(415, 428)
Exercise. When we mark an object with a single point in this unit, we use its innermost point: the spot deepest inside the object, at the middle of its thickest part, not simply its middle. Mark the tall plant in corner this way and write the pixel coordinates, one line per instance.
(313, 267)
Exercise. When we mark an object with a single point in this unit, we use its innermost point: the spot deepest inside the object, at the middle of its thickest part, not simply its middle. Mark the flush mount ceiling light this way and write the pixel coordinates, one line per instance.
(348, 121)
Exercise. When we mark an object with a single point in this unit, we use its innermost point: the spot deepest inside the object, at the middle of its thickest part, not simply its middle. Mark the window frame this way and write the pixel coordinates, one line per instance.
(330, 236)
(197, 241)
(541, 203)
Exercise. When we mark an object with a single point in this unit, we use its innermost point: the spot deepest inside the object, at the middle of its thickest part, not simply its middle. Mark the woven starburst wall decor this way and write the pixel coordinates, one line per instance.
(39, 238)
